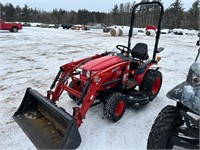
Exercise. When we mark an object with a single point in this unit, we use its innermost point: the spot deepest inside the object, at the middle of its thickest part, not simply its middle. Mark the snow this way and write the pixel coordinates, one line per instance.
(165, 31)
(32, 57)
(186, 32)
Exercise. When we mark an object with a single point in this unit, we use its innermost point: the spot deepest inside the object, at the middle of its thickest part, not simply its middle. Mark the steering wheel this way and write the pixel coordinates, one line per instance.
(124, 49)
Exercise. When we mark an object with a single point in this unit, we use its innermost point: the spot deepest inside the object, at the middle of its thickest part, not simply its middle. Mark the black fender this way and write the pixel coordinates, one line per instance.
(176, 92)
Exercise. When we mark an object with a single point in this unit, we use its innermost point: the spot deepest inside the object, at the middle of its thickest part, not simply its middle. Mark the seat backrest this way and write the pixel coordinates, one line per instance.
(140, 51)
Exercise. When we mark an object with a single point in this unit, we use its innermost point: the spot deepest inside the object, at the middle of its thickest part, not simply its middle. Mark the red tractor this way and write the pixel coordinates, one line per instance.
(116, 79)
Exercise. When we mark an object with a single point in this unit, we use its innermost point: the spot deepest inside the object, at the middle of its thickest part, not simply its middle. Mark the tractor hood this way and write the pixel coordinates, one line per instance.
(101, 63)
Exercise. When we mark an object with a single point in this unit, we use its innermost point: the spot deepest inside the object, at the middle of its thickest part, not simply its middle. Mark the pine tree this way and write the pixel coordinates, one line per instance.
(174, 15)
(115, 16)
(18, 12)
(193, 16)
(9, 12)
(25, 14)
(2, 11)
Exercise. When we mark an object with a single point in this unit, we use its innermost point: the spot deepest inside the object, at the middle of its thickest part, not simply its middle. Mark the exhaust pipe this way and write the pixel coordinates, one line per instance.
(46, 125)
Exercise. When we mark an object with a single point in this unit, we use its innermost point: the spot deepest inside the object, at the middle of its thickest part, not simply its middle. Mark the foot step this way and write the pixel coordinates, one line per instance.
(131, 83)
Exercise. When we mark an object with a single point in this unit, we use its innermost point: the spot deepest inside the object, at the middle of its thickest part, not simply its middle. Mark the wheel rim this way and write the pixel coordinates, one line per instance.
(119, 108)
(14, 29)
(156, 85)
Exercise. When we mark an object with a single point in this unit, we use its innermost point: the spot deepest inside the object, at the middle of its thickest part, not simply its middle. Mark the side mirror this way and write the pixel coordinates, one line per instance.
(160, 49)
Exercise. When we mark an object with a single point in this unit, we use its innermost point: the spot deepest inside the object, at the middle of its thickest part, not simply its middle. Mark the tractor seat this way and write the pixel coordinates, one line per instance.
(139, 52)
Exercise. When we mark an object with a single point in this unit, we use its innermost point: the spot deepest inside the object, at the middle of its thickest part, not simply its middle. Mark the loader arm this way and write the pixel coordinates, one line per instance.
(64, 73)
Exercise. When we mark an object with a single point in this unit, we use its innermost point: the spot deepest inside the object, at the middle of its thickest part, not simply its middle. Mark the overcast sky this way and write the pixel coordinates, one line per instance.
(91, 5)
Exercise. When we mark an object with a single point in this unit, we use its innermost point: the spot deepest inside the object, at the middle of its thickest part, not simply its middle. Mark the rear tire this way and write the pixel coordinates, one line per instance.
(166, 122)
(151, 83)
(14, 29)
(114, 107)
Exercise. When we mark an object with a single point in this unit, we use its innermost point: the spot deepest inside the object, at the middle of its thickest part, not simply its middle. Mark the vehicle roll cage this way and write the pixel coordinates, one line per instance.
(156, 50)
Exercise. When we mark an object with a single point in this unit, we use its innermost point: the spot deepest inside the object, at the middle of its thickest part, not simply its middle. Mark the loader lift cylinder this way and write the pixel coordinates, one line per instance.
(56, 79)
(84, 92)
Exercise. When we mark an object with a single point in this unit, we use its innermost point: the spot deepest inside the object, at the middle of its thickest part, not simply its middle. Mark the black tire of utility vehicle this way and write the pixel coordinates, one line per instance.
(151, 83)
(114, 107)
(70, 95)
(14, 29)
(165, 124)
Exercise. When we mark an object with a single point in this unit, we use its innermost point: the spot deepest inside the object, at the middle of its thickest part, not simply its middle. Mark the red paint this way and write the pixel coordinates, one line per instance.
(119, 108)
(139, 77)
(151, 27)
(102, 63)
(156, 85)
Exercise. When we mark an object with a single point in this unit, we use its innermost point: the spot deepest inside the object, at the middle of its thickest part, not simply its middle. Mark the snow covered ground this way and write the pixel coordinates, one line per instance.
(32, 57)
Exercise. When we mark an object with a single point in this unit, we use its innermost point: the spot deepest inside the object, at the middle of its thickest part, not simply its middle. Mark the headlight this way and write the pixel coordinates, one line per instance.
(93, 72)
(96, 79)
(88, 73)
(195, 80)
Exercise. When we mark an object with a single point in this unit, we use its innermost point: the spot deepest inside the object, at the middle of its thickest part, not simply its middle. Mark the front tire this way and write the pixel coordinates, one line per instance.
(14, 29)
(165, 124)
(151, 83)
(114, 107)
(71, 85)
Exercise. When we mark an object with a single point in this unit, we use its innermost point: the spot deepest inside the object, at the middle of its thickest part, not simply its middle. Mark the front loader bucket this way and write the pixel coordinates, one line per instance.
(46, 125)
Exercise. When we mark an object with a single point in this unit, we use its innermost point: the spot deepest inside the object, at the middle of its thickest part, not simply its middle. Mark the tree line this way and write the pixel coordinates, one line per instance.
(174, 17)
